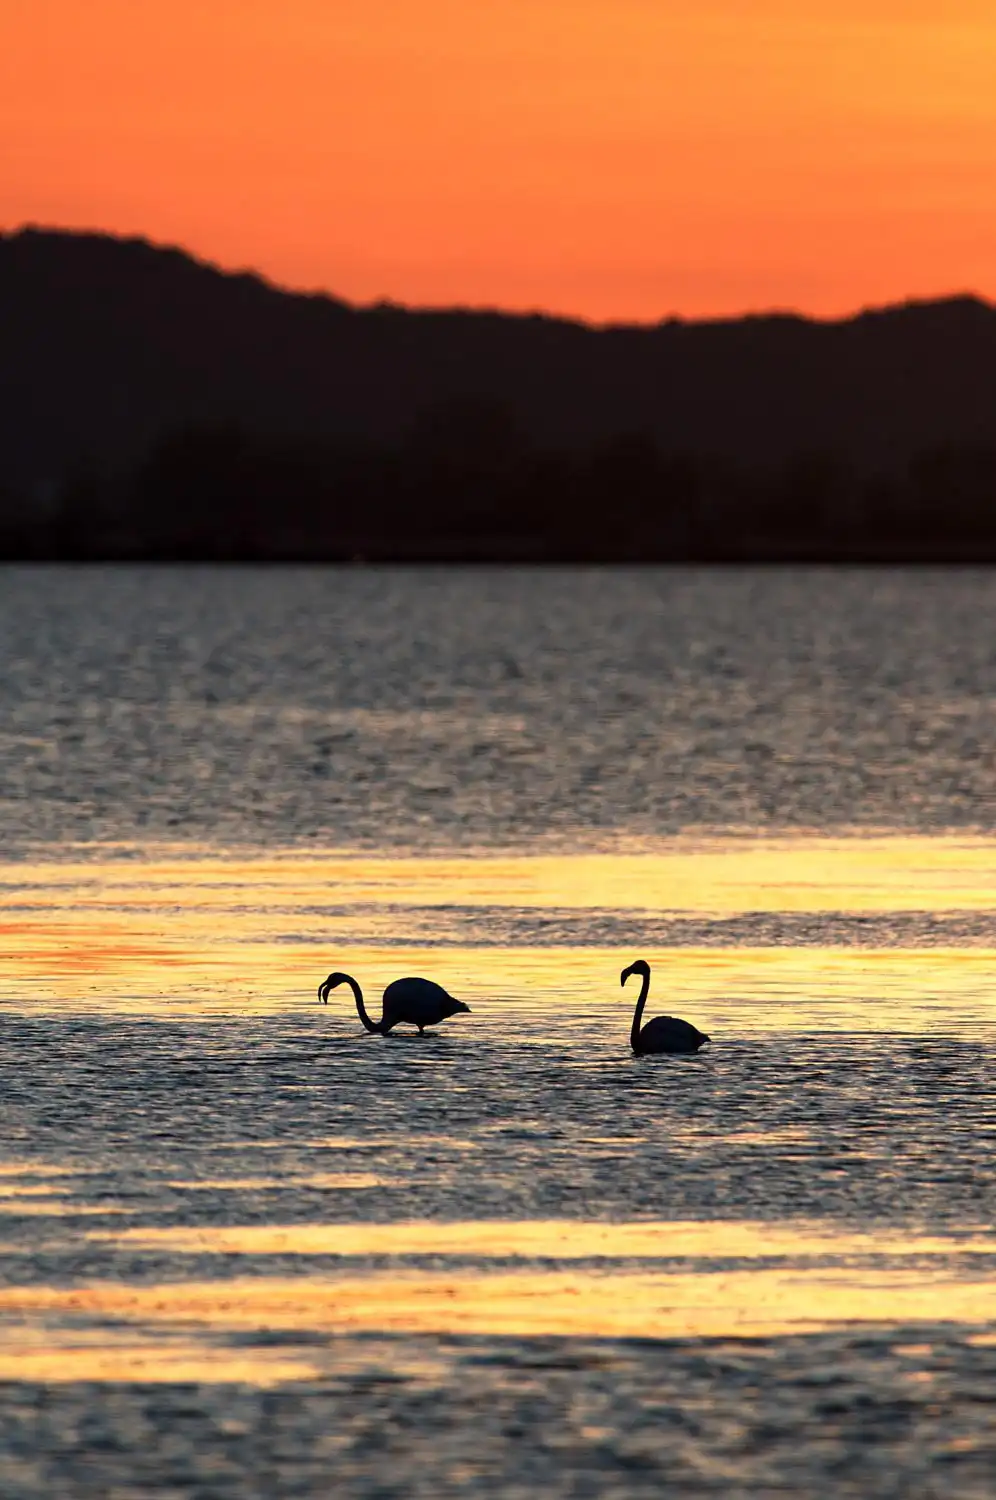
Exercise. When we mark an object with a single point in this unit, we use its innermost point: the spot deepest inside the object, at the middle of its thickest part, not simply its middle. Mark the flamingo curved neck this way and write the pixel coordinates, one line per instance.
(634, 1035)
(361, 1009)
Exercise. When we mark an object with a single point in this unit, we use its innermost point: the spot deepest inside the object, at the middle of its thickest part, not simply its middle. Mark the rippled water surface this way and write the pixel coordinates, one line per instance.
(248, 1249)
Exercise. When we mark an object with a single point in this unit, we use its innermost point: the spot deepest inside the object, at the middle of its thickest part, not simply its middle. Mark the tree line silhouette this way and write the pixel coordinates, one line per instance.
(467, 484)
(156, 406)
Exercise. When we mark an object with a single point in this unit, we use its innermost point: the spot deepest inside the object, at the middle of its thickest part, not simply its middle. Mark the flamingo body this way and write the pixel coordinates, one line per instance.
(670, 1034)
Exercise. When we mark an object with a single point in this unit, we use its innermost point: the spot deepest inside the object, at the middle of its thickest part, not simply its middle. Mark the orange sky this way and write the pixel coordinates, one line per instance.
(611, 158)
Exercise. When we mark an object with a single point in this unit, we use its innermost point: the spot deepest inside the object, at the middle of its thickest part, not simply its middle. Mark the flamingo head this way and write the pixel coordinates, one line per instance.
(640, 967)
(327, 985)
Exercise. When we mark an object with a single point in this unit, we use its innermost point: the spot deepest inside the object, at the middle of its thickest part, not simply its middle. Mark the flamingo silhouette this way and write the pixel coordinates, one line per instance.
(419, 1002)
(663, 1033)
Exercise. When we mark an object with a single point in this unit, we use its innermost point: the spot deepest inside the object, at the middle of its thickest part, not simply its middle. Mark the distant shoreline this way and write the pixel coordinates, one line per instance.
(154, 408)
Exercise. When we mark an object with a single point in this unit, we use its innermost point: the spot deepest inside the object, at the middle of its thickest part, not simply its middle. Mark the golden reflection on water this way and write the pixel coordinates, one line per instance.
(702, 875)
(207, 935)
(725, 990)
(37, 1190)
(765, 1302)
(322, 1180)
(35, 1169)
(126, 931)
(555, 1239)
(702, 1290)
(641, 1280)
(114, 1359)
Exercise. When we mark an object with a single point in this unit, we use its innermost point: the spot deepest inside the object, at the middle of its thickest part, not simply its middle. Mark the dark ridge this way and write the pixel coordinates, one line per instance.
(136, 381)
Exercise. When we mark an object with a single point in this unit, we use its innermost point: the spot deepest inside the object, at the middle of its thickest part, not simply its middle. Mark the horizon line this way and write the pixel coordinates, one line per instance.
(390, 304)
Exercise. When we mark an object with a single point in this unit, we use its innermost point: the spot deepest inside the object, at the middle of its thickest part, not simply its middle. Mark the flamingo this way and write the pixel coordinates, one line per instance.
(663, 1033)
(420, 1002)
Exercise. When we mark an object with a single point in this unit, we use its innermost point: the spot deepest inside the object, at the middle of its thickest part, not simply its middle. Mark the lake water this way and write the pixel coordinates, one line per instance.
(247, 1249)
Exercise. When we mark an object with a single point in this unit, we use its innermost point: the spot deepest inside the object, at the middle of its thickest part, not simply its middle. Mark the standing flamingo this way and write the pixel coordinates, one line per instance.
(419, 1002)
(663, 1033)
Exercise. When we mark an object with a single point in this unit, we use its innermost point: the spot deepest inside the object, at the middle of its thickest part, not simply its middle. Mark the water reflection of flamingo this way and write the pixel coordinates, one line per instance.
(419, 1002)
(663, 1033)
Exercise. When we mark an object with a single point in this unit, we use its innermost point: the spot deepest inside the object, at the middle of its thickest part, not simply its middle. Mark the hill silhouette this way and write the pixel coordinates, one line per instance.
(154, 405)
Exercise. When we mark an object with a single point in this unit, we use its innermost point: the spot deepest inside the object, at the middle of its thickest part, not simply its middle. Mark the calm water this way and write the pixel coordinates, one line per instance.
(247, 1249)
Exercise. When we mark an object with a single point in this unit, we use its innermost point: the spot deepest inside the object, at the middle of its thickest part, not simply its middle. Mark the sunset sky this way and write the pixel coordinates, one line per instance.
(608, 158)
